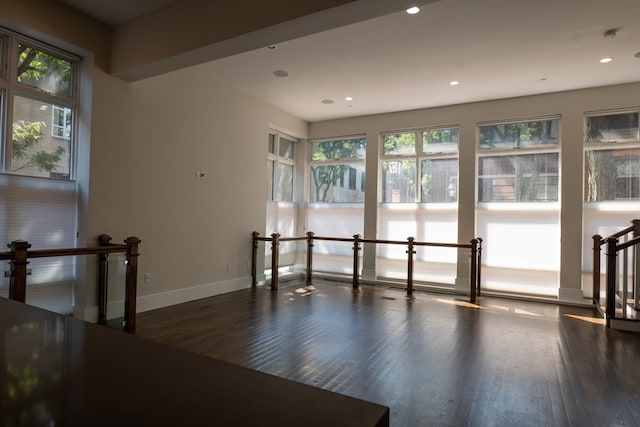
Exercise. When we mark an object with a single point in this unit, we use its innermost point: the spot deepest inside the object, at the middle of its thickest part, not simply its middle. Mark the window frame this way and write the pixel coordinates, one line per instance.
(11, 88)
(518, 150)
(418, 156)
(607, 144)
(349, 162)
(277, 159)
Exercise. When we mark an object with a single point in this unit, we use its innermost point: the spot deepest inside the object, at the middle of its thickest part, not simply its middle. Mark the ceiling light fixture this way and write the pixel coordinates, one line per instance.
(606, 60)
(272, 46)
(327, 101)
(348, 98)
(637, 55)
(413, 10)
(454, 83)
(281, 73)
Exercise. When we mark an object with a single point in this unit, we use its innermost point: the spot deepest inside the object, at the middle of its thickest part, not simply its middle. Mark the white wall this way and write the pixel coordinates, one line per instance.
(148, 140)
(570, 105)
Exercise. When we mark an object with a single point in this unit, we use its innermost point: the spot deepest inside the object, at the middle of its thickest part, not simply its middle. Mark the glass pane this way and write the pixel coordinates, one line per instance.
(337, 183)
(440, 141)
(40, 139)
(285, 182)
(286, 148)
(612, 175)
(524, 178)
(516, 135)
(353, 148)
(270, 178)
(399, 143)
(615, 127)
(439, 181)
(399, 181)
(44, 71)
(272, 143)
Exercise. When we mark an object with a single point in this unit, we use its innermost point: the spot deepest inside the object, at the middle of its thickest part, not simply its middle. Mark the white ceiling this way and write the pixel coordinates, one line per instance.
(494, 48)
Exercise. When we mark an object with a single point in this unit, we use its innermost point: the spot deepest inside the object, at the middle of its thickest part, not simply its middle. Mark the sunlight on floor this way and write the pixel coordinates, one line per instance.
(588, 319)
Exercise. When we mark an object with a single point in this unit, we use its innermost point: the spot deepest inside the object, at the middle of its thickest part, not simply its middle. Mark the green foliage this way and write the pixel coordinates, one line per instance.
(514, 134)
(400, 143)
(44, 71)
(326, 176)
(25, 139)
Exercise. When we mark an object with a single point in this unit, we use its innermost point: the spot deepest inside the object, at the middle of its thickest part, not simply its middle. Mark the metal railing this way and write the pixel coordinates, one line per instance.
(622, 271)
(20, 253)
(475, 247)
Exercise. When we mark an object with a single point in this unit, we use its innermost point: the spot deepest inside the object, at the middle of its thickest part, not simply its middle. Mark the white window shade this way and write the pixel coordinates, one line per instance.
(42, 212)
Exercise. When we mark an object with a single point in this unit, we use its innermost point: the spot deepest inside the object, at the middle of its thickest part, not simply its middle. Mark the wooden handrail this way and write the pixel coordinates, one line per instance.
(19, 255)
(475, 268)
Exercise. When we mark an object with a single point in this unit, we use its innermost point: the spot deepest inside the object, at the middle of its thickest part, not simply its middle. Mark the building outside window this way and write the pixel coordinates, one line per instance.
(611, 179)
(336, 199)
(38, 196)
(518, 210)
(418, 198)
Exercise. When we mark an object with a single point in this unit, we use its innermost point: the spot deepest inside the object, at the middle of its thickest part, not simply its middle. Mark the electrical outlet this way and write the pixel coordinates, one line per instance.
(147, 277)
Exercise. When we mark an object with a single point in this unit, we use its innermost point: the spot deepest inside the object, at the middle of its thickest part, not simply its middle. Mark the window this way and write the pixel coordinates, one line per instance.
(40, 103)
(518, 213)
(280, 168)
(418, 198)
(531, 175)
(420, 166)
(38, 196)
(611, 179)
(612, 157)
(336, 167)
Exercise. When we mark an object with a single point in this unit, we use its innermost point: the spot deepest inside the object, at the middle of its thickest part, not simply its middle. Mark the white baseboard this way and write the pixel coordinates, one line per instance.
(165, 299)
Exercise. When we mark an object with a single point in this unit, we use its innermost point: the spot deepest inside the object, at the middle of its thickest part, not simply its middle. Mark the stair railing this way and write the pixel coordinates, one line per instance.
(622, 270)
(20, 253)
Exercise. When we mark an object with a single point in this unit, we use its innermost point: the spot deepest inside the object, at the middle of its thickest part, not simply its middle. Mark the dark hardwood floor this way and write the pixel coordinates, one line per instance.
(435, 360)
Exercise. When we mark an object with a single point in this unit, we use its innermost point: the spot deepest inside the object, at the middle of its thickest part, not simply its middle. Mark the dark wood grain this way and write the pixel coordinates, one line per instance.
(434, 360)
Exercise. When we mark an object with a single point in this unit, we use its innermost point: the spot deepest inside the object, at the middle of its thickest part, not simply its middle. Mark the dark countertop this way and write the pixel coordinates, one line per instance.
(60, 371)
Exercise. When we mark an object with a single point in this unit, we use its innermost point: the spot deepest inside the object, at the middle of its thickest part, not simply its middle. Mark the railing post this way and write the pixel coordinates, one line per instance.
(636, 265)
(131, 284)
(254, 260)
(474, 271)
(410, 253)
(479, 265)
(18, 280)
(275, 255)
(356, 261)
(611, 278)
(309, 256)
(597, 250)
(103, 279)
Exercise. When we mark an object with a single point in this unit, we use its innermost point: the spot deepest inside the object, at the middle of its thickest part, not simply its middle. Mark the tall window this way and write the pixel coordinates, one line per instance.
(336, 196)
(518, 209)
(39, 102)
(418, 198)
(611, 178)
(282, 211)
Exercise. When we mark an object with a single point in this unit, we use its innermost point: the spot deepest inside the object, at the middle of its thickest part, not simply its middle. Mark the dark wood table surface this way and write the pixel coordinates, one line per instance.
(60, 371)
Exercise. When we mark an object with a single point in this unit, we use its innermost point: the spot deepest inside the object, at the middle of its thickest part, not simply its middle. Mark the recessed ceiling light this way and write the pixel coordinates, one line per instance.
(272, 46)
(281, 73)
(348, 98)
(327, 101)
(606, 60)
(454, 83)
(413, 10)
(637, 55)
